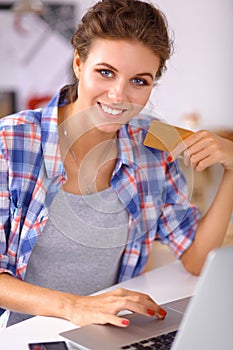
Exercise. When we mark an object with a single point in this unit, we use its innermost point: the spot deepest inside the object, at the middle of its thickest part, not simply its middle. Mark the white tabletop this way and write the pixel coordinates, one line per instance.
(163, 284)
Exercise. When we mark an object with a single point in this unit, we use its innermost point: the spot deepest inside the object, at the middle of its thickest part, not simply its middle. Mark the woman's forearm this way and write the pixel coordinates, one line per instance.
(212, 227)
(23, 297)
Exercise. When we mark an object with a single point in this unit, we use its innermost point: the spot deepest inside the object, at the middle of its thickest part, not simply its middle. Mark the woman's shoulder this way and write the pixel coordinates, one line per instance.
(31, 117)
(21, 118)
(20, 126)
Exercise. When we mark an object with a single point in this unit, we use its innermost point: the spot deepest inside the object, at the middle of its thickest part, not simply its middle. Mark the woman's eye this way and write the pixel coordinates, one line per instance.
(106, 73)
(139, 82)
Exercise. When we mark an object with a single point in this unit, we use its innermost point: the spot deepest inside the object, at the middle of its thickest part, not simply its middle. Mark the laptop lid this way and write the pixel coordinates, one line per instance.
(208, 321)
(204, 315)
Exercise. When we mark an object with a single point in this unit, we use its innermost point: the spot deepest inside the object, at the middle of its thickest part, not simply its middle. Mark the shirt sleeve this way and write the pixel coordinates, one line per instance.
(178, 222)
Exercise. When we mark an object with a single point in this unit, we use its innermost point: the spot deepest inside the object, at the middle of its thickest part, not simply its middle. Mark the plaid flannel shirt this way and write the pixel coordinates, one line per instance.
(153, 191)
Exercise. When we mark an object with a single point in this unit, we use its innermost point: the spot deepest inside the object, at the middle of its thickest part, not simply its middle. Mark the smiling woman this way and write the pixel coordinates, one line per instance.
(82, 198)
(108, 82)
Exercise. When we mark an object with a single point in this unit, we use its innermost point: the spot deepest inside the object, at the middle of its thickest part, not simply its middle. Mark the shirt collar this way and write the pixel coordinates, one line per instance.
(125, 148)
(49, 134)
(129, 137)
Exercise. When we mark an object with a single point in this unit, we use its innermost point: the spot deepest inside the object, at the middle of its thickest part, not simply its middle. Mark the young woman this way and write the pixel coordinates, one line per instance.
(82, 199)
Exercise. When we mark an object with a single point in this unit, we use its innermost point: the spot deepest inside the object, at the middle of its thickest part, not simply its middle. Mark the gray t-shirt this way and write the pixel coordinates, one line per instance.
(81, 247)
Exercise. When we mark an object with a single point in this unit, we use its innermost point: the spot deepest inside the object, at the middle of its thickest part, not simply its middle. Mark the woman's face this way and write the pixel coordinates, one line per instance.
(115, 81)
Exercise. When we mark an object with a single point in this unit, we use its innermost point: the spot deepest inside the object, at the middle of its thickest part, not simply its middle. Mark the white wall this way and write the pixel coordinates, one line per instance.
(200, 72)
(199, 76)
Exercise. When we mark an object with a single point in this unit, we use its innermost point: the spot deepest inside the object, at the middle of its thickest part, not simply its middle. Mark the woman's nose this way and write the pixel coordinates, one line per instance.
(117, 93)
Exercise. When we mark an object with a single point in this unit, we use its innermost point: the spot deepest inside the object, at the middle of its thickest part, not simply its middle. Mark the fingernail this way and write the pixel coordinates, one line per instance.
(162, 312)
(125, 322)
(150, 312)
(169, 159)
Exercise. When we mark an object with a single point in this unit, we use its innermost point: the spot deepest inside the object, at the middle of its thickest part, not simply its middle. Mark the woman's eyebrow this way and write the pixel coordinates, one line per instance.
(107, 65)
(116, 70)
(146, 73)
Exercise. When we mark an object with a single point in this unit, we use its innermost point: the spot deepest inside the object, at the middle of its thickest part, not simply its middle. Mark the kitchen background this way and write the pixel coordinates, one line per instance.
(195, 92)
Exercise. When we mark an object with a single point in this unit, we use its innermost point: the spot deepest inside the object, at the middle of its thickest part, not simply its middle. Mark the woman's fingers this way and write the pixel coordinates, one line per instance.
(108, 318)
(104, 308)
(199, 160)
(123, 299)
(191, 145)
(204, 149)
(141, 303)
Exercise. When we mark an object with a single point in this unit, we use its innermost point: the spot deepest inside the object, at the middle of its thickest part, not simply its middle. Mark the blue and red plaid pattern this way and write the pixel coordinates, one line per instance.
(153, 191)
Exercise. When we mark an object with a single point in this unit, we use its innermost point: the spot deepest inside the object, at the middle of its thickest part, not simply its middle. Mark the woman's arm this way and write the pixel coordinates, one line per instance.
(23, 297)
(200, 151)
(212, 227)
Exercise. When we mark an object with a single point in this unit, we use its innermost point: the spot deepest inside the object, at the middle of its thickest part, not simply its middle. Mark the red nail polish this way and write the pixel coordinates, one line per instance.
(162, 312)
(125, 322)
(169, 159)
(150, 312)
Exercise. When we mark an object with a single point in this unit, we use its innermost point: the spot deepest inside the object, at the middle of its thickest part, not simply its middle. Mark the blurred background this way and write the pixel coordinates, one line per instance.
(36, 55)
(195, 92)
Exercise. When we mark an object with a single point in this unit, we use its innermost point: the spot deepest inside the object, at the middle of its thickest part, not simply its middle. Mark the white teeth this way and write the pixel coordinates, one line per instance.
(111, 111)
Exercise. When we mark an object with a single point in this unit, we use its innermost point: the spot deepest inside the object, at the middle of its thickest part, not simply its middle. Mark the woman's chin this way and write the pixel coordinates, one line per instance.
(109, 127)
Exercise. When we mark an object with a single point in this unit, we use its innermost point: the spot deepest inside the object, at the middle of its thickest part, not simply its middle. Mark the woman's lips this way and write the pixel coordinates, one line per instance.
(112, 111)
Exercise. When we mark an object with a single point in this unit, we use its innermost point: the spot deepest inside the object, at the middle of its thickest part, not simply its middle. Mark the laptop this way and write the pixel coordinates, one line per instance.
(201, 322)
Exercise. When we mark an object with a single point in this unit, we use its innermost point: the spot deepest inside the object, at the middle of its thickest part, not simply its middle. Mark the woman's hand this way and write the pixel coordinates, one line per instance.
(103, 308)
(203, 149)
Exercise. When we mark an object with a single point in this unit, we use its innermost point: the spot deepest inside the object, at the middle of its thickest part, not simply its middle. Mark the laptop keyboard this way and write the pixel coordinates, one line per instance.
(162, 342)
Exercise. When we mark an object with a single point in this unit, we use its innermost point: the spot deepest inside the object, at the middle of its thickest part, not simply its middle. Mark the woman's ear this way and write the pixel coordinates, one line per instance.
(76, 64)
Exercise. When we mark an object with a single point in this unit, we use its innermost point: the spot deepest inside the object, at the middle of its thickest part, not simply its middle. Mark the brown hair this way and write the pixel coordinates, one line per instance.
(128, 20)
(124, 19)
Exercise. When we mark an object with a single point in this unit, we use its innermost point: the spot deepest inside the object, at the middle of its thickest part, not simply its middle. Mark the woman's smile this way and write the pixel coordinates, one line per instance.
(111, 111)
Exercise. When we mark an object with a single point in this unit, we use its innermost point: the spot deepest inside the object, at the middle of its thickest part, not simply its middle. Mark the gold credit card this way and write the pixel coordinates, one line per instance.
(164, 136)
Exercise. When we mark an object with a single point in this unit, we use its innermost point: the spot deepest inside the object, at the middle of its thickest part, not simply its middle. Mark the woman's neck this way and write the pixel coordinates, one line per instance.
(89, 155)
(75, 132)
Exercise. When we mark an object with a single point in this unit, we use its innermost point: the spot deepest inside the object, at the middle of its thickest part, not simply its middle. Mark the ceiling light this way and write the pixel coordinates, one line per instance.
(22, 6)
